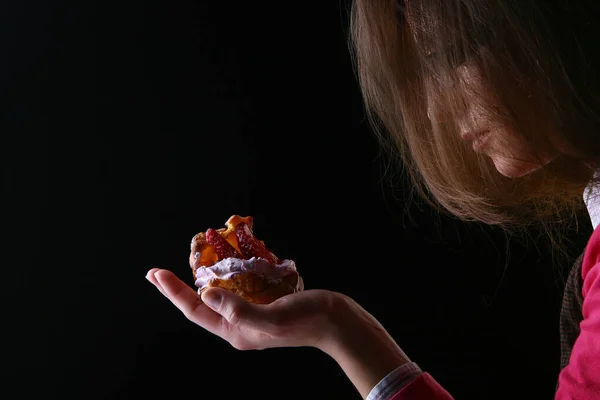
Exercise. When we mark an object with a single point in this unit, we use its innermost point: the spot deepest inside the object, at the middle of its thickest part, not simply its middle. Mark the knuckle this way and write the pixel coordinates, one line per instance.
(190, 312)
(233, 314)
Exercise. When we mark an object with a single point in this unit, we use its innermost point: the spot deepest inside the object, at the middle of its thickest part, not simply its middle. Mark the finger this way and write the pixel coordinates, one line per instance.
(232, 307)
(188, 302)
(150, 276)
(253, 326)
(244, 323)
(260, 317)
(247, 318)
(242, 313)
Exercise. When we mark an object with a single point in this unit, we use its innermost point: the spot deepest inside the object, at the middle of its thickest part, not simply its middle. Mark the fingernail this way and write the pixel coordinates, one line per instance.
(212, 299)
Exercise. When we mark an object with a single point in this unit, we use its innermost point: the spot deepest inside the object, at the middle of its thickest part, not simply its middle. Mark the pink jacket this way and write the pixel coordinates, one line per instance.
(580, 379)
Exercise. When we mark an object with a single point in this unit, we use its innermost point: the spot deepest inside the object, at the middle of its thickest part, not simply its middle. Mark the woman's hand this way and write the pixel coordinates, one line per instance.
(323, 319)
(301, 319)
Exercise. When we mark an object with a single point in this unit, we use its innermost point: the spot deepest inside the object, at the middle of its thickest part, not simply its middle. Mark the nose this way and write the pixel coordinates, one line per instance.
(470, 136)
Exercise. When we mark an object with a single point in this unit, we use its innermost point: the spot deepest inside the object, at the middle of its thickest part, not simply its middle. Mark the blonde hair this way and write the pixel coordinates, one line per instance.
(524, 51)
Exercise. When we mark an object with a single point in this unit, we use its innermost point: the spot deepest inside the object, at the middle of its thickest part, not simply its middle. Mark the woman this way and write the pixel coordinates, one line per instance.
(493, 108)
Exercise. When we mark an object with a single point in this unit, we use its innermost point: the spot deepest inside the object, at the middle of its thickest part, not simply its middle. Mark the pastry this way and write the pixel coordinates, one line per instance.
(233, 258)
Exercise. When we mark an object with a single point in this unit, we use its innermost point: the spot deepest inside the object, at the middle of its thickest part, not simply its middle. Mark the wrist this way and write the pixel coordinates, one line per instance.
(360, 345)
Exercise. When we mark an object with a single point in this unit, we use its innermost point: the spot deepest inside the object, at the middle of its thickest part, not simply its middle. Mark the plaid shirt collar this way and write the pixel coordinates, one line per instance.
(592, 201)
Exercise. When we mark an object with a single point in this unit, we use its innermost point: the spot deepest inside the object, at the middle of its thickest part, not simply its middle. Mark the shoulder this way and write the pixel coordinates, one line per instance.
(590, 267)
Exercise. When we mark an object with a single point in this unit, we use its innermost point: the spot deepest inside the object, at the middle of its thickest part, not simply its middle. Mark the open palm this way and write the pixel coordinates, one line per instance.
(298, 319)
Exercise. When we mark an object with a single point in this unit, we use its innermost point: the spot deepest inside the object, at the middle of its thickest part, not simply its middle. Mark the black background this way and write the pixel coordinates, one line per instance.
(131, 126)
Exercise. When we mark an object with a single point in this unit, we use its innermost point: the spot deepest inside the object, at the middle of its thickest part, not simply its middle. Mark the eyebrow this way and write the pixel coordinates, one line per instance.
(463, 51)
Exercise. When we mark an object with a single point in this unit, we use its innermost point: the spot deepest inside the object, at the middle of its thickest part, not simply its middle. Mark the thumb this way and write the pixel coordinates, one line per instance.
(229, 305)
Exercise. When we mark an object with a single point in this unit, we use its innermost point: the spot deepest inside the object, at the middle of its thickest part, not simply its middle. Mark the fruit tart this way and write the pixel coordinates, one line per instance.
(233, 258)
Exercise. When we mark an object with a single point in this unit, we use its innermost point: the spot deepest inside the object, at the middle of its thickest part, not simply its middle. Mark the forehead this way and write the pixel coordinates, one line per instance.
(432, 24)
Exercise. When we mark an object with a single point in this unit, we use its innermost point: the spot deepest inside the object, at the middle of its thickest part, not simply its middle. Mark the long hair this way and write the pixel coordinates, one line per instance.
(538, 63)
